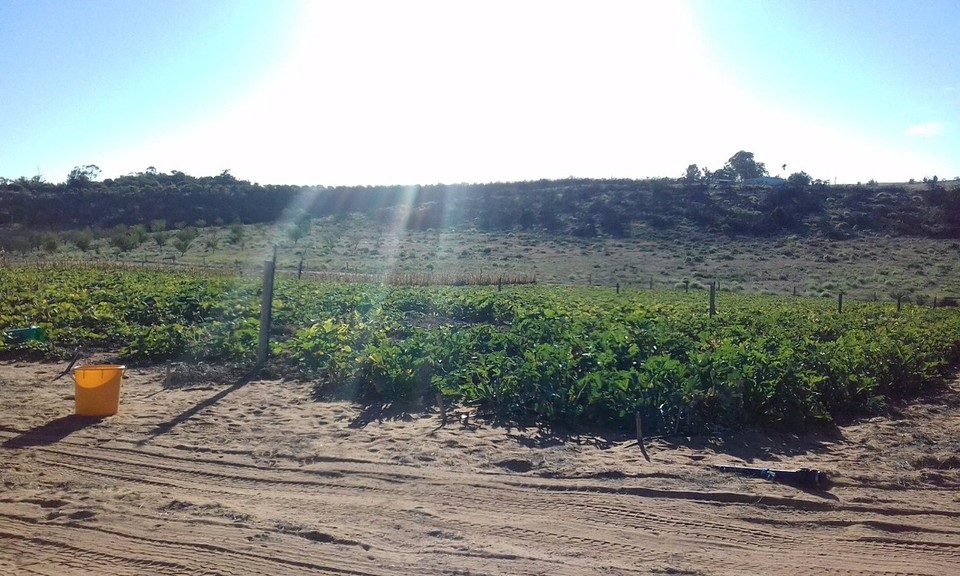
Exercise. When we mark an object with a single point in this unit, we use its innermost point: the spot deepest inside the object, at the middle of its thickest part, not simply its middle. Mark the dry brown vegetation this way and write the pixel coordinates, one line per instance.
(862, 267)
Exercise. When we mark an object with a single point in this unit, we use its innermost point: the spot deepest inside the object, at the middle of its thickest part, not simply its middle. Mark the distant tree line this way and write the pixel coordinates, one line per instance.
(575, 206)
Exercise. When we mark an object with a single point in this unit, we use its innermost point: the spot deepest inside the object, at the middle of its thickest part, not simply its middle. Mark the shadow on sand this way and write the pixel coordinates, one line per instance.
(52, 431)
(169, 425)
(379, 412)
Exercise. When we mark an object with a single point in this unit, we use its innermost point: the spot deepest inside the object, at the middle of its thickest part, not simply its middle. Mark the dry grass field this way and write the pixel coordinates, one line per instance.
(863, 267)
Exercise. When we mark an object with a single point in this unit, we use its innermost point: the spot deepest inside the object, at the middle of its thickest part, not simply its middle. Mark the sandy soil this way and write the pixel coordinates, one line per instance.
(229, 478)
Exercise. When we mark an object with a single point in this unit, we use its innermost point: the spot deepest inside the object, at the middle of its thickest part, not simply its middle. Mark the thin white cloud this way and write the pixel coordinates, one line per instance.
(925, 129)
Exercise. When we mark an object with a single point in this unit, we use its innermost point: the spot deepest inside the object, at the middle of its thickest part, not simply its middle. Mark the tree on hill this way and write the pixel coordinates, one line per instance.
(799, 179)
(745, 167)
(693, 174)
(81, 177)
(300, 228)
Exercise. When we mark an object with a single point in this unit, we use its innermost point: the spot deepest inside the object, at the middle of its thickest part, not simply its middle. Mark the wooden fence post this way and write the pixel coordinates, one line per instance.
(840, 303)
(713, 299)
(266, 312)
(443, 409)
(639, 424)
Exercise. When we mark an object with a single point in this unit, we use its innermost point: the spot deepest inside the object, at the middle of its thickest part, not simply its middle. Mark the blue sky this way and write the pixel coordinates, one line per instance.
(380, 92)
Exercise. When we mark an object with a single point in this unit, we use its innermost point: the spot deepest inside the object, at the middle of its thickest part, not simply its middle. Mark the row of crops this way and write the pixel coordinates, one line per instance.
(572, 356)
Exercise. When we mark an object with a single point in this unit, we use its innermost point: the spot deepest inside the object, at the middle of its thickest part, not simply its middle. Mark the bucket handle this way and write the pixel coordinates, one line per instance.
(67, 370)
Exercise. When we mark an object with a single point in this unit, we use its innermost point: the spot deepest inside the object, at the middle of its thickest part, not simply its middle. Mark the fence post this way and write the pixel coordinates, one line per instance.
(639, 423)
(266, 312)
(840, 303)
(618, 287)
(713, 299)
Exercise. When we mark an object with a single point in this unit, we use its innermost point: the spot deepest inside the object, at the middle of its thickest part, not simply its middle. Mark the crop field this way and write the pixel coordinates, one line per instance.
(558, 355)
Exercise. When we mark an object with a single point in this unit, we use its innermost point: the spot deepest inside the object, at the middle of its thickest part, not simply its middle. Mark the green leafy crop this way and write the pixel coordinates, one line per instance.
(572, 356)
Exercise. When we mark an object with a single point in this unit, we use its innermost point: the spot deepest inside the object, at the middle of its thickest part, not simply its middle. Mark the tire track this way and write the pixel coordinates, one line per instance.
(200, 478)
(946, 550)
(250, 474)
(64, 554)
(391, 499)
(516, 508)
(228, 560)
(578, 505)
(727, 498)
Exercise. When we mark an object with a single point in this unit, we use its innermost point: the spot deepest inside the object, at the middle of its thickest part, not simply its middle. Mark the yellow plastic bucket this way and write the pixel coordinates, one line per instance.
(97, 389)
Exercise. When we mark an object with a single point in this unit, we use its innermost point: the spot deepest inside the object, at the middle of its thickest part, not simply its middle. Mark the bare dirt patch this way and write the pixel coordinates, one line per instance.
(258, 477)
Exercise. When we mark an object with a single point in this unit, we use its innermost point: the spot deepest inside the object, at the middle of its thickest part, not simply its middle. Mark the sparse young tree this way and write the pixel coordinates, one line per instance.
(116, 232)
(123, 242)
(188, 233)
(213, 240)
(49, 241)
(139, 233)
(900, 296)
(183, 238)
(182, 245)
(296, 233)
(82, 239)
(300, 228)
(236, 234)
(353, 240)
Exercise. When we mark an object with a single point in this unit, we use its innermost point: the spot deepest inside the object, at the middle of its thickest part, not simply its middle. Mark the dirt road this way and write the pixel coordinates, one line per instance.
(261, 478)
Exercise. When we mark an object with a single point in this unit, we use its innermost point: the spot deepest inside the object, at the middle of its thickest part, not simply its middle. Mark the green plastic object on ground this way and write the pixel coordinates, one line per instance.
(19, 335)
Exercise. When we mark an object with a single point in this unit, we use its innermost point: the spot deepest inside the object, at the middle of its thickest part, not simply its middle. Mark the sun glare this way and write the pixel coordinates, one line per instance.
(430, 92)
(426, 92)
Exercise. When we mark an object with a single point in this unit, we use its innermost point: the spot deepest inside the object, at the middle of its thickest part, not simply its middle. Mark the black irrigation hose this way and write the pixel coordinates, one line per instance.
(803, 476)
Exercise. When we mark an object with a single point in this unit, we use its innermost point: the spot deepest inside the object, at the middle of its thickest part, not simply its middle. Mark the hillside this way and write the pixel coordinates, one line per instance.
(579, 207)
(869, 241)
